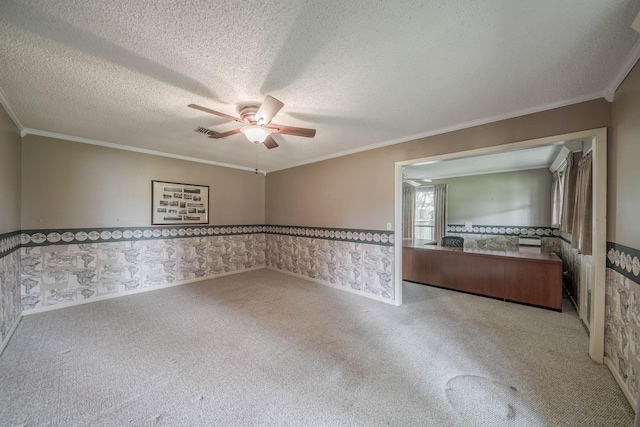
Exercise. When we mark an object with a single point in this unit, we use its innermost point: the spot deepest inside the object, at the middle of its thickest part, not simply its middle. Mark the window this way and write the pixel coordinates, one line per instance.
(424, 214)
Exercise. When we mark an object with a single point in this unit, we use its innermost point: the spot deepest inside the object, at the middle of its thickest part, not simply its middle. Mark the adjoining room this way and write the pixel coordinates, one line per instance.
(513, 203)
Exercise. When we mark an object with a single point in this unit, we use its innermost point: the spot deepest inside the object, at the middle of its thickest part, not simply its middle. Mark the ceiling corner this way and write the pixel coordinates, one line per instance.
(624, 70)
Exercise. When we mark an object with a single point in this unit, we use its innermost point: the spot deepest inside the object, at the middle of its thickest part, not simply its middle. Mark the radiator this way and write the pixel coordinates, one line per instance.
(526, 240)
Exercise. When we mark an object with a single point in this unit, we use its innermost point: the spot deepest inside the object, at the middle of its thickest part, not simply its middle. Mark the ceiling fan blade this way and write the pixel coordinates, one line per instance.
(217, 113)
(290, 130)
(224, 134)
(268, 110)
(270, 142)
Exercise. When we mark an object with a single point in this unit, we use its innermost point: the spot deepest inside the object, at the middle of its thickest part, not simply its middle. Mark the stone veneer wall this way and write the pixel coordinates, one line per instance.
(360, 261)
(622, 315)
(571, 265)
(502, 237)
(65, 266)
(9, 282)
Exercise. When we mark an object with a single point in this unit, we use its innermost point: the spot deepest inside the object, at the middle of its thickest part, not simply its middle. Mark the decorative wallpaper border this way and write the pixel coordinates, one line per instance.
(624, 260)
(566, 236)
(505, 230)
(9, 242)
(373, 237)
(46, 237)
(122, 234)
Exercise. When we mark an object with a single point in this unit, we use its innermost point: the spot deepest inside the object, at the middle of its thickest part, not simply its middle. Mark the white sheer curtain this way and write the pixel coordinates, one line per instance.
(440, 211)
(408, 211)
(556, 200)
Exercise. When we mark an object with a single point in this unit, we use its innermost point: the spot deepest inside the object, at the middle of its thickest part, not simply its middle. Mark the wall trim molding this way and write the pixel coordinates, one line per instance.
(70, 236)
(335, 286)
(132, 292)
(465, 125)
(625, 69)
(623, 386)
(9, 242)
(453, 128)
(565, 236)
(37, 132)
(371, 237)
(507, 230)
(624, 260)
(10, 334)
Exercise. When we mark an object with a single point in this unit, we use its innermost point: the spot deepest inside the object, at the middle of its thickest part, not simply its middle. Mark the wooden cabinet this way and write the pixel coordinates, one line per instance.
(534, 282)
(513, 276)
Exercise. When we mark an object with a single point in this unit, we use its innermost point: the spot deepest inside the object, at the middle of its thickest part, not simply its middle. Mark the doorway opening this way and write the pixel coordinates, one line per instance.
(591, 296)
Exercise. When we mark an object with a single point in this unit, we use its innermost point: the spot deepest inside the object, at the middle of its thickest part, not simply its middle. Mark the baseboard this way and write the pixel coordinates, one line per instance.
(8, 337)
(134, 291)
(623, 386)
(333, 285)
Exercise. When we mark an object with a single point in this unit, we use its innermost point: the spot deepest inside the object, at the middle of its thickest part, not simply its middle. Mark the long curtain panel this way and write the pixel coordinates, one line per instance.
(556, 199)
(408, 211)
(582, 230)
(569, 193)
(440, 211)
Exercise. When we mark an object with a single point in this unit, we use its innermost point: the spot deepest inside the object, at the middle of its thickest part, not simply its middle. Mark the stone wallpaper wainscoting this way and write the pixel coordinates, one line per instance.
(622, 316)
(571, 264)
(503, 237)
(70, 266)
(359, 261)
(101, 263)
(9, 282)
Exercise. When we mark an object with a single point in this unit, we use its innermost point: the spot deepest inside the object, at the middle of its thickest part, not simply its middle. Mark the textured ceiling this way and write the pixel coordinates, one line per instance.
(507, 161)
(362, 72)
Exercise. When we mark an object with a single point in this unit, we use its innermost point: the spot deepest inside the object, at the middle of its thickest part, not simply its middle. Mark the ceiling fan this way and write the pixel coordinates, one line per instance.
(415, 182)
(257, 123)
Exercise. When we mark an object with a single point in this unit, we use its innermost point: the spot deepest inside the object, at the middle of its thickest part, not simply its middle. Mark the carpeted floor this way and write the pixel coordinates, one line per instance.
(264, 348)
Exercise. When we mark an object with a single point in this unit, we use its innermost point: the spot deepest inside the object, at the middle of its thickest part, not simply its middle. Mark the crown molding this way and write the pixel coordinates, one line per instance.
(12, 113)
(29, 131)
(636, 23)
(440, 131)
(624, 70)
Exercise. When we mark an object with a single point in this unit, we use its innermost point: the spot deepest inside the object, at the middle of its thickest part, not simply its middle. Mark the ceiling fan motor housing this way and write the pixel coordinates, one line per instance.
(248, 114)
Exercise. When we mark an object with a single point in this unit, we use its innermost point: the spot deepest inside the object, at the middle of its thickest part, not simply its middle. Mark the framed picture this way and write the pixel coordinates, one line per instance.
(175, 203)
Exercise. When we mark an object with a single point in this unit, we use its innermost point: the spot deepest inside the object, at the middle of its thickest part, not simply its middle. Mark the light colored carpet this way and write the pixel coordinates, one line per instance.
(264, 348)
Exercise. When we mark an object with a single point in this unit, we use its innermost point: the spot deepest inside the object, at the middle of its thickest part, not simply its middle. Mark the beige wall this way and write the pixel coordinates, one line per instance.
(9, 174)
(509, 198)
(358, 190)
(72, 185)
(624, 164)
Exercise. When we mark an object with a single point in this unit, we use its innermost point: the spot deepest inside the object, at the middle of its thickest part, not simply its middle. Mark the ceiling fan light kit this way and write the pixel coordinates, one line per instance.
(256, 134)
(258, 127)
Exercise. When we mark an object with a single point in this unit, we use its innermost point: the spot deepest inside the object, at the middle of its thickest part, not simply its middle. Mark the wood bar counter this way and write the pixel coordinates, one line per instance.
(530, 276)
